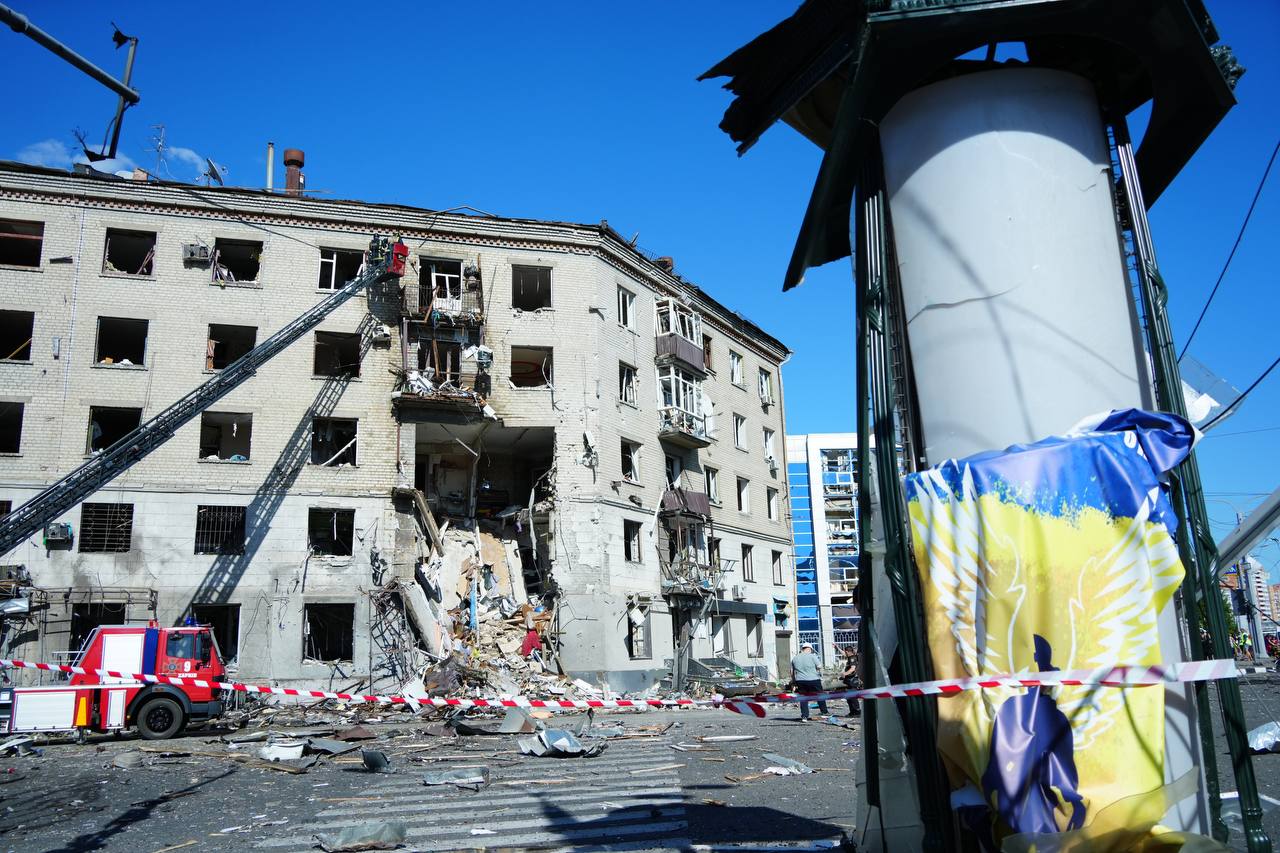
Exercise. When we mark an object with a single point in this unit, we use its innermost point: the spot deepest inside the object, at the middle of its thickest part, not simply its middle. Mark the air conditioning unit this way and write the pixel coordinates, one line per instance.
(195, 253)
(738, 593)
(57, 534)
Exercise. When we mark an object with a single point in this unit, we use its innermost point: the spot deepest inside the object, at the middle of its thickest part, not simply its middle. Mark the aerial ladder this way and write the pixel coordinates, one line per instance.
(385, 260)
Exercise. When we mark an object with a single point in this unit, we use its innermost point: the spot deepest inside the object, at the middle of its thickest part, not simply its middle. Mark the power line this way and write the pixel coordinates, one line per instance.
(1245, 432)
(1232, 254)
(1235, 405)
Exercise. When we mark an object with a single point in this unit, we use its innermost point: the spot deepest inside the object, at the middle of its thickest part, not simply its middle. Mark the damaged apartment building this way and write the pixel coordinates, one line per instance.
(538, 431)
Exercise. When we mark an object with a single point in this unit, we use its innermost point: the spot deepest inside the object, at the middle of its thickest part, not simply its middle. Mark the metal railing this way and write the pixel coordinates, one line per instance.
(672, 418)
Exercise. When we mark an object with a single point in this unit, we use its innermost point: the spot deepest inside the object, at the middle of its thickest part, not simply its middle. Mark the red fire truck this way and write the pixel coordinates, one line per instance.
(106, 704)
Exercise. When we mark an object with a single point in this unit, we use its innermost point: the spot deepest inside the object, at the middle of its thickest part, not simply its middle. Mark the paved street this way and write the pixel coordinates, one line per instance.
(640, 793)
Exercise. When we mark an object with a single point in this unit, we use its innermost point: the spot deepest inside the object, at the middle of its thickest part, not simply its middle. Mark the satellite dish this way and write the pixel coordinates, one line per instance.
(213, 172)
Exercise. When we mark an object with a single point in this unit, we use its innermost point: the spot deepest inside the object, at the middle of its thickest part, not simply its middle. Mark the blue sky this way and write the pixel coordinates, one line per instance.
(592, 112)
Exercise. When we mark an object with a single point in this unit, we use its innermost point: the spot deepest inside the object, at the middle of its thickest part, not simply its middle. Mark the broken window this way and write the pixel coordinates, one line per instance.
(20, 243)
(626, 308)
(236, 260)
(638, 633)
(329, 632)
(713, 553)
(744, 495)
(106, 528)
(6, 507)
(86, 616)
(333, 441)
(766, 387)
(712, 478)
(740, 432)
(755, 636)
(129, 252)
(228, 343)
(337, 354)
(674, 318)
(777, 568)
(109, 424)
(530, 288)
(11, 427)
(337, 267)
(331, 531)
(226, 436)
(441, 360)
(531, 367)
(721, 636)
(627, 383)
(441, 286)
(769, 455)
(706, 352)
(219, 530)
(121, 341)
(748, 567)
(15, 335)
(771, 503)
(735, 368)
(674, 467)
(224, 621)
(631, 541)
(681, 390)
(630, 461)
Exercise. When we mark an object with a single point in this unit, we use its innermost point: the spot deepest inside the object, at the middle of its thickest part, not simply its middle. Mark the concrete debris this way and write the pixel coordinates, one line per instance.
(383, 835)
(559, 743)
(128, 760)
(471, 779)
(375, 760)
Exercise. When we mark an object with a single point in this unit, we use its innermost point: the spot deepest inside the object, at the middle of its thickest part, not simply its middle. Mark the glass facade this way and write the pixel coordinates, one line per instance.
(808, 613)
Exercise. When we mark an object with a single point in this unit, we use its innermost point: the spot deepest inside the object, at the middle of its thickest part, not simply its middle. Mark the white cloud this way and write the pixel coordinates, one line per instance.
(50, 152)
(186, 156)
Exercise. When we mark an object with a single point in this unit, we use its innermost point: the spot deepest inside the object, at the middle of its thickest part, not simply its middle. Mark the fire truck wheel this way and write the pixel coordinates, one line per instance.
(159, 719)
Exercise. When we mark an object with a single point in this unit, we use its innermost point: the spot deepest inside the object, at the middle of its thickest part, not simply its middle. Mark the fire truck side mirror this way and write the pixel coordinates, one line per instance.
(206, 648)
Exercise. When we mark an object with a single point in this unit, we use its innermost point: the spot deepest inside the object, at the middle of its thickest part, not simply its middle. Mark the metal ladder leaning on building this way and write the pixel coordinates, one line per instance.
(385, 260)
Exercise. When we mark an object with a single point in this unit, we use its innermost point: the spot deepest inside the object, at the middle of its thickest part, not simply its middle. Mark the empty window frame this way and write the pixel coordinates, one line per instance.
(740, 432)
(744, 495)
(106, 528)
(441, 284)
(11, 427)
(626, 308)
(721, 636)
(226, 436)
(16, 331)
(20, 243)
(735, 368)
(531, 367)
(219, 530)
(765, 381)
(337, 267)
(530, 287)
(713, 553)
(639, 633)
(706, 352)
(224, 621)
(334, 441)
(121, 341)
(631, 541)
(628, 383)
(440, 360)
(337, 354)
(674, 467)
(770, 454)
(674, 318)
(109, 424)
(329, 632)
(331, 532)
(129, 252)
(236, 260)
(755, 636)
(712, 479)
(777, 567)
(771, 503)
(748, 566)
(228, 343)
(6, 507)
(630, 461)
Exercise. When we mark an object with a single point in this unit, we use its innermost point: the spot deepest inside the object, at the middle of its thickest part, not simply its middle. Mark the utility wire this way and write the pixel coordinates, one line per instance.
(1236, 404)
(1232, 254)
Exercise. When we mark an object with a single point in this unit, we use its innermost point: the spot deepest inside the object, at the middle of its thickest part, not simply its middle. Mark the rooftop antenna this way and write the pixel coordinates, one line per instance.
(212, 172)
(158, 139)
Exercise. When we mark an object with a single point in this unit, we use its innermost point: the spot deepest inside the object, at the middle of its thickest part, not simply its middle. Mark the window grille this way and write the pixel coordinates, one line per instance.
(106, 528)
(219, 530)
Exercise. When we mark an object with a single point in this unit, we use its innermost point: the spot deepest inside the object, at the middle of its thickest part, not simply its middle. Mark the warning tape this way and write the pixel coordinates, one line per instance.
(1111, 676)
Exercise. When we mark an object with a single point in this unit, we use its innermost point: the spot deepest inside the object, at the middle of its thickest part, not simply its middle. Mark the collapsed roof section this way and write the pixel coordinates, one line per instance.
(835, 68)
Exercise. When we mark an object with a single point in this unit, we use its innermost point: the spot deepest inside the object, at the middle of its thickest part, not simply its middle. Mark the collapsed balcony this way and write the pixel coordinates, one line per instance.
(688, 556)
(452, 375)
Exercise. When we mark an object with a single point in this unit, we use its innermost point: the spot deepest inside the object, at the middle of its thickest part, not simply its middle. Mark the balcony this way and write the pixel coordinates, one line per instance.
(685, 502)
(673, 347)
(683, 428)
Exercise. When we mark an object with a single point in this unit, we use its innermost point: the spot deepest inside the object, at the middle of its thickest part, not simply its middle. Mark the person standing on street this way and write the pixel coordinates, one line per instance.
(849, 677)
(807, 678)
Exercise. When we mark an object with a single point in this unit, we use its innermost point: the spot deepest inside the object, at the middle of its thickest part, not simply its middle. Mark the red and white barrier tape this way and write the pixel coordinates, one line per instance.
(1113, 676)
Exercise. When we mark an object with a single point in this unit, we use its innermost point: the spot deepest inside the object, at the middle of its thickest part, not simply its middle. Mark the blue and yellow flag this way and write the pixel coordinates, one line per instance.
(1055, 555)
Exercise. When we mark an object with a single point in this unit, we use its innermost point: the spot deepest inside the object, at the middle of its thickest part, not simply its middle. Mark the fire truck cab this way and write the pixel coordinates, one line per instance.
(90, 702)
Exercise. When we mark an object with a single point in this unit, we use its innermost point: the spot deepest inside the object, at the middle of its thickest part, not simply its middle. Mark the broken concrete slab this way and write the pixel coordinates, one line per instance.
(384, 835)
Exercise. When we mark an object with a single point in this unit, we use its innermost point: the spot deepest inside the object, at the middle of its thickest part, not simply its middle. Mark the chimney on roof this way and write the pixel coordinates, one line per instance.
(294, 180)
(667, 262)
